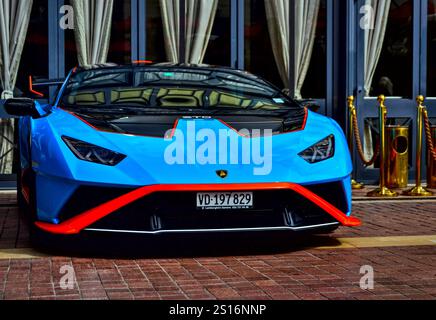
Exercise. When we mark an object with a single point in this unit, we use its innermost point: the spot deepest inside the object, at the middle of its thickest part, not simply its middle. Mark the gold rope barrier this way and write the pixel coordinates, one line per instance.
(428, 134)
(419, 190)
(382, 190)
(355, 129)
(431, 152)
(353, 115)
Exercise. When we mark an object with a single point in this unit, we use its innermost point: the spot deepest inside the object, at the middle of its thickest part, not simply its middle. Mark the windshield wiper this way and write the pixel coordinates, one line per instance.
(103, 110)
(130, 110)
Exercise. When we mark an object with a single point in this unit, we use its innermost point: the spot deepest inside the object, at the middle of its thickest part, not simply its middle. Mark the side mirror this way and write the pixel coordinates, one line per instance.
(21, 107)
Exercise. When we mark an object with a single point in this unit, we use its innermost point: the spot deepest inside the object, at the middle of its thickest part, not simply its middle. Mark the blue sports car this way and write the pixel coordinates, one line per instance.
(176, 148)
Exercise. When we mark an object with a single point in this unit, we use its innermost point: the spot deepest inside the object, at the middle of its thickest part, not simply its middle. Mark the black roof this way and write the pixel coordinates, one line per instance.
(110, 65)
(171, 65)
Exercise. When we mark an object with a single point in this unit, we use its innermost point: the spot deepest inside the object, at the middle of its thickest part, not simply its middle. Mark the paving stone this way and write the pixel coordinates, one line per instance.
(298, 272)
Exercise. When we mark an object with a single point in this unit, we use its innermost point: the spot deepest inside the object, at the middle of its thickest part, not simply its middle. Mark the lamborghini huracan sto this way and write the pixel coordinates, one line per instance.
(175, 148)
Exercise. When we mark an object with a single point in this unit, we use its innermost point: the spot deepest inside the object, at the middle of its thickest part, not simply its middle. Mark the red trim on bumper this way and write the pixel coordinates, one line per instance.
(84, 220)
(25, 190)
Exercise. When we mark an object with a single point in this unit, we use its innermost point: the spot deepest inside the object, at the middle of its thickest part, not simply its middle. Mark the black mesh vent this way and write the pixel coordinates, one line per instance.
(86, 198)
(333, 193)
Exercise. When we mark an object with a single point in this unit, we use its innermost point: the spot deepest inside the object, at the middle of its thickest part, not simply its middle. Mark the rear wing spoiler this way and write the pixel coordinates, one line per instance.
(41, 83)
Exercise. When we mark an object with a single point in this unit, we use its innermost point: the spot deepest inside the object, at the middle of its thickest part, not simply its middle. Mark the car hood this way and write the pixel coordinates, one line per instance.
(158, 125)
(147, 155)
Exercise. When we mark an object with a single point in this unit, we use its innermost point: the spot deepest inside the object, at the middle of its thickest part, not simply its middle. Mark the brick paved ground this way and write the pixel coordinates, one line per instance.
(259, 272)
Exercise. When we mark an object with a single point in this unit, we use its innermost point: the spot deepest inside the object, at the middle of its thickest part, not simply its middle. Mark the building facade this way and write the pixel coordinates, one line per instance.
(335, 48)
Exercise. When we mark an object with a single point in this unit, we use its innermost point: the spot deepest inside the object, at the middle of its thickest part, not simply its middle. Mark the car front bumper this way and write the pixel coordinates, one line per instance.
(159, 209)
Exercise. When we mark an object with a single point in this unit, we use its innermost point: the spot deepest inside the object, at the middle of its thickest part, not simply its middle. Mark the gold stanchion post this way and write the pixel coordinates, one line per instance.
(382, 191)
(419, 190)
(352, 113)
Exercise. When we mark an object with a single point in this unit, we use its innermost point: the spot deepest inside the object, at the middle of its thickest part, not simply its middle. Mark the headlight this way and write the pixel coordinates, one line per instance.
(92, 153)
(323, 150)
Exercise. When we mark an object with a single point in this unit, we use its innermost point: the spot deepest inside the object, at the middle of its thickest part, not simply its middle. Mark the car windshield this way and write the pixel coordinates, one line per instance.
(172, 88)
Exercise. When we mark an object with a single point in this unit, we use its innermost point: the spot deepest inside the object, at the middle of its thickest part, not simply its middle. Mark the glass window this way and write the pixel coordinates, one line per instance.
(259, 57)
(34, 60)
(120, 44)
(218, 50)
(218, 47)
(70, 48)
(120, 41)
(155, 37)
(431, 46)
(393, 76)
(315, 83)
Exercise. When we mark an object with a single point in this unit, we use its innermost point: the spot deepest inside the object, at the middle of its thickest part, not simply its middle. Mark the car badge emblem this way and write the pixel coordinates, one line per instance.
(222, 174)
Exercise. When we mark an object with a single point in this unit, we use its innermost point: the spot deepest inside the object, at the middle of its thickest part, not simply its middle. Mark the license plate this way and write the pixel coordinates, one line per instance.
(224, 200)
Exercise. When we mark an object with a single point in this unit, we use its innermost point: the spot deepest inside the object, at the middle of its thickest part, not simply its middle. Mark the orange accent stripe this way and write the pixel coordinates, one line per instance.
(173, 132)
(81, 119)
(142, 62)
(84, 220)
(39, 94)
(233, 129)
(25, 191)
(305, 120)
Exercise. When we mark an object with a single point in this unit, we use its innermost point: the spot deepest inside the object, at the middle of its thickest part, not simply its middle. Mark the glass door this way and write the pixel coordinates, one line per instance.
(389, 62)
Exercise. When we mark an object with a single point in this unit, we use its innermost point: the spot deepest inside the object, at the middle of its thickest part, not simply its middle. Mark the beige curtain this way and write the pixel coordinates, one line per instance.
(171, 25)
(305, 19)
(200, 16)
(6, 145)
(92, 28)
(14, 21)
(374, 39)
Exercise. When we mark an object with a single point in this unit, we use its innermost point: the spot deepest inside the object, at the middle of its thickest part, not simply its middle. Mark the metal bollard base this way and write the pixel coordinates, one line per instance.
(418, 192)
(382, 193)
(357, 185)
